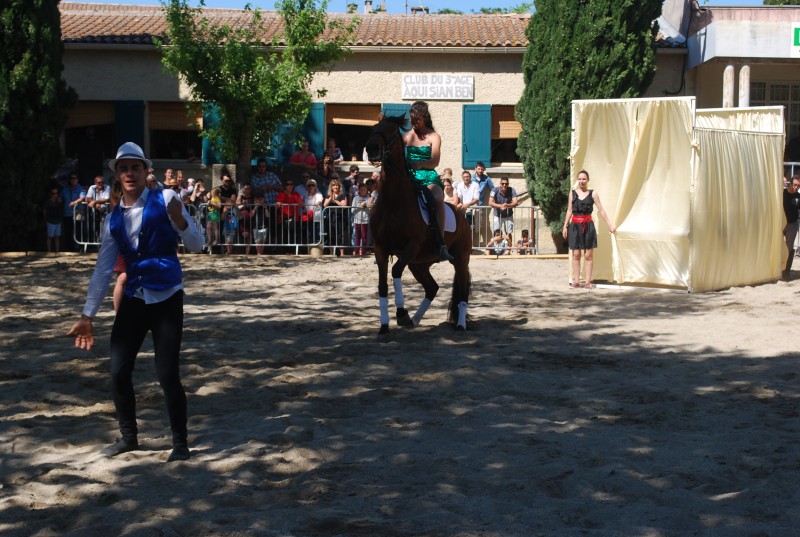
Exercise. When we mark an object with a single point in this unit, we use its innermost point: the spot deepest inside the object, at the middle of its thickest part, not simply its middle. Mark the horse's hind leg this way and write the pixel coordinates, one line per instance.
(383, 292)
(423, 275)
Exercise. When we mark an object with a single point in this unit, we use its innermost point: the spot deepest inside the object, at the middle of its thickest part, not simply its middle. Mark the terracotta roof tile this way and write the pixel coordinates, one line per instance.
(136, 25)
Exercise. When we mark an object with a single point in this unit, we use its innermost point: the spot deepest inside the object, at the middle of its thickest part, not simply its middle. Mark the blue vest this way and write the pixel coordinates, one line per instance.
(154, 264)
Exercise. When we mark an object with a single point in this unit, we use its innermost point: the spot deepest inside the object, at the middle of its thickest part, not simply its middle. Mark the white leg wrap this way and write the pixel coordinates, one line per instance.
(399, 299)
(423, 307)
(462, 314)
(384, 304)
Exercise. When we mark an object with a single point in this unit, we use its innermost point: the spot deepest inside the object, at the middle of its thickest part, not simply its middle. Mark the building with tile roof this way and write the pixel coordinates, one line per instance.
(468, 67)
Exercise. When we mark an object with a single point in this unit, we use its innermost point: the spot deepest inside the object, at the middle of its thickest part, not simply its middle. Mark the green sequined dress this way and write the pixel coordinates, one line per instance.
(422, 177)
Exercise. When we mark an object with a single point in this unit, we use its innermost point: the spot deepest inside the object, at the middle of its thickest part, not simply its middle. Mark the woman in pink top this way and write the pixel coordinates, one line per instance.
(304, 157)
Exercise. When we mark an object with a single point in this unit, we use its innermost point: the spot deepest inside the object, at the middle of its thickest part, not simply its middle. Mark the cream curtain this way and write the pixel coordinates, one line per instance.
(681, 197)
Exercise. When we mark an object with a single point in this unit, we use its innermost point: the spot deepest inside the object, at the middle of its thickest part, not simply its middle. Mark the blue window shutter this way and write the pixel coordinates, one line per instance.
(314, 128)
(282, 145)
(393, 110)
(477, 137)
(129, 122)
(210, 119)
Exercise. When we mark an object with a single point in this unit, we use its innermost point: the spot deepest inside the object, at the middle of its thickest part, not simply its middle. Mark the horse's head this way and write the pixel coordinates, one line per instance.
(385, 139)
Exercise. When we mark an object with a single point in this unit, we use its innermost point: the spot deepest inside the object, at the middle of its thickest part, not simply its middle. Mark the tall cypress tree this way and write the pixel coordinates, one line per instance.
(578, 49)
(34, 101)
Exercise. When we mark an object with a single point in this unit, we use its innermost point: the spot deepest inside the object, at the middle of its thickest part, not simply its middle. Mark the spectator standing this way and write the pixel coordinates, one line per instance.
(245, 205)
(313, 201)
(73, 195)
(485, 185)
(97, 205)
(337, 230)
(450, 194)
(361, 219)
(213, 216)
(145, 227)
(227, 191)
(467, 192)
(53, 215)
(265, 182)
(334, 152)
(305, 158)
(351, 182)
(169, 174)
(230, 226)
(288, 204)
(259, 223)
(791, 206)
(325, 170)
(503, 199)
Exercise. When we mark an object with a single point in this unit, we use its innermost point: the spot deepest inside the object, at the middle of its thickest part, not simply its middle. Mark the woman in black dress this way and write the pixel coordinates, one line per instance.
(579, 228)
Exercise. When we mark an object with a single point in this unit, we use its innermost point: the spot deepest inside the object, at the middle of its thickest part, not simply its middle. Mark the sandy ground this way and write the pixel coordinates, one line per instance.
(559, 413)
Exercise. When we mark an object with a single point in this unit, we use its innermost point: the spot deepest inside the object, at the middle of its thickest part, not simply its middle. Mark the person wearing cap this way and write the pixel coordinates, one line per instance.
(314, 201)
(145, 228)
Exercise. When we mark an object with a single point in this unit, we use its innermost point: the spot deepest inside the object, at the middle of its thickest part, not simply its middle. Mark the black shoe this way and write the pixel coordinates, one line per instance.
(179, 453)
(119, 447)
(444, 255)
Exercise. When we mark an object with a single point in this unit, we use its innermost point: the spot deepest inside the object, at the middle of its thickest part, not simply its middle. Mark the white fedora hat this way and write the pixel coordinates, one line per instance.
(129, 150)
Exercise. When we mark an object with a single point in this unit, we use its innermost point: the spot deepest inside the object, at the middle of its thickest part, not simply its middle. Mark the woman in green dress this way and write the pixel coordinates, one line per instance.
(423, 146)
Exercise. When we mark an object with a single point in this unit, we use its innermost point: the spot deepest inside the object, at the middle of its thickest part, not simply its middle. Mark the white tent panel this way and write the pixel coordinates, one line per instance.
(694, 208)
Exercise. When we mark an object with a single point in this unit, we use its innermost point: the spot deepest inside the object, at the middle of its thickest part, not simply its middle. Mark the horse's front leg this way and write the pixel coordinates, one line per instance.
(422, 273)
(383, 291)
(399, 299)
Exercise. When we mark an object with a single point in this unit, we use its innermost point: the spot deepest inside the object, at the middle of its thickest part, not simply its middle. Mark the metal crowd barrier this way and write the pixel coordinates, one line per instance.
(292, 228)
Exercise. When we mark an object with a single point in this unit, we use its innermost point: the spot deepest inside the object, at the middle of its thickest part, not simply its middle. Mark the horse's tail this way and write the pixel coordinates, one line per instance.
(462, 283)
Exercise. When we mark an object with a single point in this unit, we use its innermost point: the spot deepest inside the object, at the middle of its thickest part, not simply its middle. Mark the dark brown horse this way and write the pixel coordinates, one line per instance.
(398, 229)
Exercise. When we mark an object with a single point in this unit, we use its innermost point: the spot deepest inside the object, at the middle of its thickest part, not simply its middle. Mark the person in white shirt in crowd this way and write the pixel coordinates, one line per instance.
(468, 193)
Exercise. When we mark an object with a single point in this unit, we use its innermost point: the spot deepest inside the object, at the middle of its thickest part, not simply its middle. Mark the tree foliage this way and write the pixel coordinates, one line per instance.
(525, 7)
(578, 49)
(781, 3)
(34, 101)
(253, 86)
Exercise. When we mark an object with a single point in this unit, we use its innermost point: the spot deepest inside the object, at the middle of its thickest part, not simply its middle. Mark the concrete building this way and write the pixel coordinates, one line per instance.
(468, 67)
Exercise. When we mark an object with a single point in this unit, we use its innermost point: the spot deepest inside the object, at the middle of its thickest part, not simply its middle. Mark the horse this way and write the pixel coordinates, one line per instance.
(399, 229)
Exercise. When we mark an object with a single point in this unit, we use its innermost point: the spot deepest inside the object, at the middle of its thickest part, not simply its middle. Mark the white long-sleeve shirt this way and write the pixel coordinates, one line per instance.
(109, 250)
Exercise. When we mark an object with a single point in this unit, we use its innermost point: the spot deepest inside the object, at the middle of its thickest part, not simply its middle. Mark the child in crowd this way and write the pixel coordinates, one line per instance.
(230, 228)
(524, 245)
(497, 245)
(212, 220)
(361, 219)
(259, 218)
(53, 212)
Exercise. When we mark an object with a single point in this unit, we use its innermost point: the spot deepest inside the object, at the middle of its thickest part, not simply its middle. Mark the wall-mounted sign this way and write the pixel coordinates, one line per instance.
(438, 87)
(795, 50)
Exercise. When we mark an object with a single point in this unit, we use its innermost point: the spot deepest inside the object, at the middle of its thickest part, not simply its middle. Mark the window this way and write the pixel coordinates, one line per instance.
(490, 134)
(90, 127)
(174, 133)
(351, 125)
(780, 94)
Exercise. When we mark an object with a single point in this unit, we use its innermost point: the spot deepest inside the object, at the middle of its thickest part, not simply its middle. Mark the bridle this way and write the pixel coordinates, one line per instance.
(387, 145)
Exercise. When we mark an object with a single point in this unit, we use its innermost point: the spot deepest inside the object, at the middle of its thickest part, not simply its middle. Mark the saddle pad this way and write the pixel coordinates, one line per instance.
(449, 214)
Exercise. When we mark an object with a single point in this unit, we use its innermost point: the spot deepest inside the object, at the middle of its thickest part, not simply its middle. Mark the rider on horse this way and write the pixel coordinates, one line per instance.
(423, 146)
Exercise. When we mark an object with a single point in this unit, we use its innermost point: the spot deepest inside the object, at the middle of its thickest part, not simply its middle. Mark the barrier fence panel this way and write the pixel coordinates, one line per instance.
(87, 224)
(295, 228)
(485, 220)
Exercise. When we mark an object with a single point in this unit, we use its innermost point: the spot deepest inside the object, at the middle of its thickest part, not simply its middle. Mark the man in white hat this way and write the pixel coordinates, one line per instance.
(144, 228)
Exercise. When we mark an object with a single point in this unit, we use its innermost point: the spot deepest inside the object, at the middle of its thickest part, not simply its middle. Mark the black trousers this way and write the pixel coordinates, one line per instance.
(165, 320)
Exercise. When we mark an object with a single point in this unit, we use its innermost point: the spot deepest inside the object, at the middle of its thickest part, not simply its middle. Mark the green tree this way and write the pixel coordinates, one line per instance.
(448, 11)
(525, 7)
(34, 101)
(578, 49)
(253, 86)
(781, 3)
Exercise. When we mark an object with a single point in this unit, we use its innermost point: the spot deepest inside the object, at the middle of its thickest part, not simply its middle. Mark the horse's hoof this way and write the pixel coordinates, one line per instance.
(403, 318)
(461, 328)
(384, 330)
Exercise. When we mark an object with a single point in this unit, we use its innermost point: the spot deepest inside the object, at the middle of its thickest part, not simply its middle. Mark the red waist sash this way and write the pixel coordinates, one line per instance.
(582, 219)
